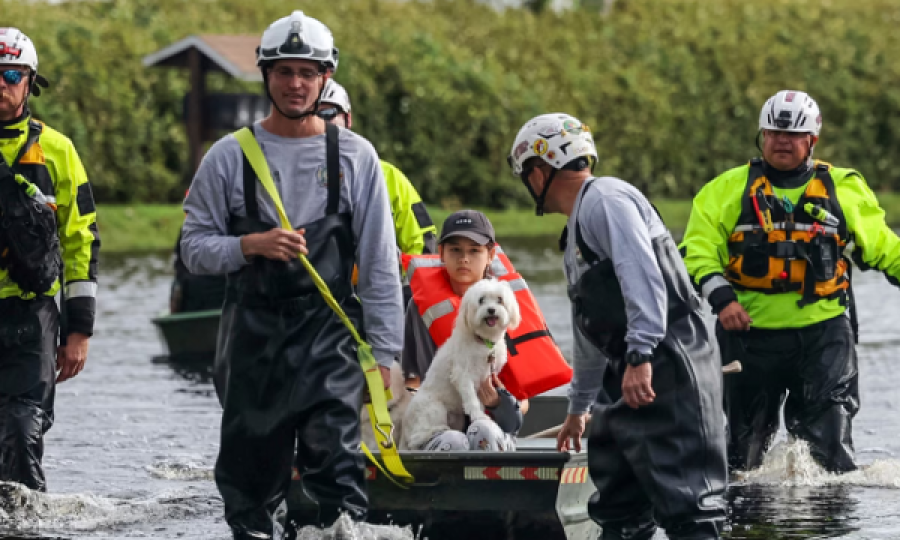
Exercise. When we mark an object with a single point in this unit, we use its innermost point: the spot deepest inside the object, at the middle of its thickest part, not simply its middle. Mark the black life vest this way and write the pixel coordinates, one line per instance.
(29, 239)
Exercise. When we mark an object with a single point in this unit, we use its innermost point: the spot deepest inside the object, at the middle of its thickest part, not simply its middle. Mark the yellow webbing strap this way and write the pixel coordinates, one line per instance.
(382, 425)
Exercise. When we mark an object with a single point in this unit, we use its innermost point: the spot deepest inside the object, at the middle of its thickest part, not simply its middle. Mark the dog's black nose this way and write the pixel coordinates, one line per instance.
(491, 311)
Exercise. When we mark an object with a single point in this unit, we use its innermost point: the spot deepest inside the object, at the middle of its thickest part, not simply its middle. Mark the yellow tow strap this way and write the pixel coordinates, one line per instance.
(382, 425)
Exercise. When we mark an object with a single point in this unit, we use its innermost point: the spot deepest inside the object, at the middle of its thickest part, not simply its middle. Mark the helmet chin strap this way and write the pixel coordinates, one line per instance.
(539, 199)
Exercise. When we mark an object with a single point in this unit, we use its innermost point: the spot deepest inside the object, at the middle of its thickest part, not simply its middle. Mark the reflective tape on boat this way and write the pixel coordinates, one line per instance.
(575, 475)
(511, 473)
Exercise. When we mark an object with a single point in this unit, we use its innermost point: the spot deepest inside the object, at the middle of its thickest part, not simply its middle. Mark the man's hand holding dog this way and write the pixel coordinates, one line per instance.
(570, 434)
(637, 390)
(487, 392)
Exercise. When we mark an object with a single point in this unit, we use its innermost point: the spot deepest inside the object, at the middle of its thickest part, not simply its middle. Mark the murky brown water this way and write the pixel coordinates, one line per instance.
(133, 446)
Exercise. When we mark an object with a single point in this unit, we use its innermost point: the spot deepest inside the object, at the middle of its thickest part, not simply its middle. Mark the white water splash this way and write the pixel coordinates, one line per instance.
(24, 510)
(178, 470)
(789, 463)
(345, 529)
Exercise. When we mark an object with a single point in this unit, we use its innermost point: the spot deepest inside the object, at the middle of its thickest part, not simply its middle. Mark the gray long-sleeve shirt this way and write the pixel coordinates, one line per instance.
(617, 223)
(299, 172)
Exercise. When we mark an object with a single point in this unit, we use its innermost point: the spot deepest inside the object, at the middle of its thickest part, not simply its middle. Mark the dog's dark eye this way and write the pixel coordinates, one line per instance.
(500, 300)
(480, 300)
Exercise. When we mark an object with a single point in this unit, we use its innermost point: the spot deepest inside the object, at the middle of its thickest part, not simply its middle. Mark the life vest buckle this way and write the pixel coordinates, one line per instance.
(785, 250)
(781, 285)
(816, 229)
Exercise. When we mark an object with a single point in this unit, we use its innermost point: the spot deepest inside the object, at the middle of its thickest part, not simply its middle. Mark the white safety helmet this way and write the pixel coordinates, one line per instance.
(297, 37)
(17, 49)
(791, 110)
(335, 94)
(557, 138)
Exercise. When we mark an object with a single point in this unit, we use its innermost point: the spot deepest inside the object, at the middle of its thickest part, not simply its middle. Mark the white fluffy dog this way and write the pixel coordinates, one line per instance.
(473, 351)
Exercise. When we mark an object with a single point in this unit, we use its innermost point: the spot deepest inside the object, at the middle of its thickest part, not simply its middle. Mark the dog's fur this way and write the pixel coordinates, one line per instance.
(462, 364)
(400, 398)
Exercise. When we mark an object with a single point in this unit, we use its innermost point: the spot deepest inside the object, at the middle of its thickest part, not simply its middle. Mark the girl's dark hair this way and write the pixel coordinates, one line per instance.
(487, 269)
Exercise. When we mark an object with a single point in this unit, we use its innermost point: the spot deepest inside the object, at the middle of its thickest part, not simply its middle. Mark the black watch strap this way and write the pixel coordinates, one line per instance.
(634, 358)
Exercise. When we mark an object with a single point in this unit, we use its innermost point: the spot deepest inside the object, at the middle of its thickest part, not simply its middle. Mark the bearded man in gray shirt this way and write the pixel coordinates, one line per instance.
(643, 355)
(294, 379)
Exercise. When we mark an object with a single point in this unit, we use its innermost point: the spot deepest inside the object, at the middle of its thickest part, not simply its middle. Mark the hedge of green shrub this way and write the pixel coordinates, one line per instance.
(671, 88)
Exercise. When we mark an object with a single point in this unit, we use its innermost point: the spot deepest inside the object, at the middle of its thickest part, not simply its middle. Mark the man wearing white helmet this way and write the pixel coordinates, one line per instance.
(412, 224)
(768, 244)
(294, 379)
(643, 357)
(47, 223)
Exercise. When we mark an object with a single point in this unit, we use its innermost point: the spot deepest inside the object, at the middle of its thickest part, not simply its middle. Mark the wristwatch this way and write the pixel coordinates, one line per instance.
(634, 358)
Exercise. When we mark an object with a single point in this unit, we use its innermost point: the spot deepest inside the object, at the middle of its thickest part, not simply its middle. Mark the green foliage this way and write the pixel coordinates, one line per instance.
(672, 88)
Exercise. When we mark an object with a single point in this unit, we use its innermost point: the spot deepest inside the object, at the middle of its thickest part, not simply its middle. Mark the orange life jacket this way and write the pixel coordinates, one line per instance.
(534, 362)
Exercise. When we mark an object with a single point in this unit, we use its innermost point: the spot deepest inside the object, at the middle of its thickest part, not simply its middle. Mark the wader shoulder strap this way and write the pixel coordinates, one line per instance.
(332, 153)
(378, 411)
(251, 204)
(586, 253)
(333, 162)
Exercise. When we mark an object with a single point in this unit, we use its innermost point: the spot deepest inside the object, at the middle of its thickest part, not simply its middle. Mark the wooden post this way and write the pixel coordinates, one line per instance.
(195, 120)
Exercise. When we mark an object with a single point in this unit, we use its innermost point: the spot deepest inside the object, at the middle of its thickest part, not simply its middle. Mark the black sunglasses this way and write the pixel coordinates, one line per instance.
(12, 76)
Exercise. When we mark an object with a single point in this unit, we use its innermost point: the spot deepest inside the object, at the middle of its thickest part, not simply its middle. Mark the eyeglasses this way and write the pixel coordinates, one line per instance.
(329, 114)
(792, 135)
(12, 76)
(308, 75)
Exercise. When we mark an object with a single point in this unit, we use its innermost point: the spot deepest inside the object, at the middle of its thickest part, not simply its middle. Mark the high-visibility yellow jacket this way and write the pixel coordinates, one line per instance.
(53, 165)
(416, 233)
(724, 202)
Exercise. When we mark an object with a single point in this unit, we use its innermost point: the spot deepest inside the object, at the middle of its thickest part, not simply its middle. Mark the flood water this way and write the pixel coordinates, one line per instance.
(135, 440)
